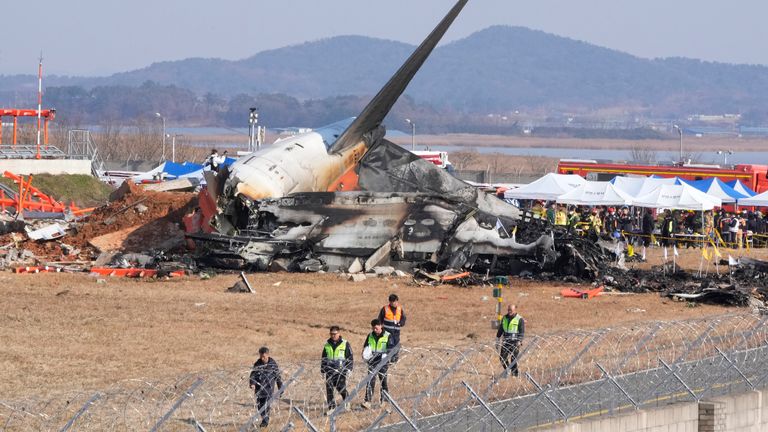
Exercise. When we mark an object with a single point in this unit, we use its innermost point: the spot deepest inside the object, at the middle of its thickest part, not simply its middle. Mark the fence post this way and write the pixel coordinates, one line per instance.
(81, 411)
(198, 427)
(533, 400)
(187, 394)
(364, 383)
(305, 419)
(484, 405)
(733, 365)
(399, 410)
(674, 374)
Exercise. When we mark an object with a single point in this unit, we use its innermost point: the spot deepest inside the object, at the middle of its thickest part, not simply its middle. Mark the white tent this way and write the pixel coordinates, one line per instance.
(547, 188)
(651, 183)
(681, 197)
(596, 193)
(759, 200)
(637, 186)
(630, 185)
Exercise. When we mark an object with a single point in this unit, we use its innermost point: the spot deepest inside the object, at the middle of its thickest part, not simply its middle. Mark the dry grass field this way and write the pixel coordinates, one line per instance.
(71, 332)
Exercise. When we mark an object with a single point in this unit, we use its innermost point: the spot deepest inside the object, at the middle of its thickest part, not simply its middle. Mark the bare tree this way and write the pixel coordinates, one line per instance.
(642, 154)
(464, 159)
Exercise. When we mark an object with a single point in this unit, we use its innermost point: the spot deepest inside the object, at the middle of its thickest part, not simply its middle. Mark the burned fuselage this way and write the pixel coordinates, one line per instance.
(408, 212)
(399, 229)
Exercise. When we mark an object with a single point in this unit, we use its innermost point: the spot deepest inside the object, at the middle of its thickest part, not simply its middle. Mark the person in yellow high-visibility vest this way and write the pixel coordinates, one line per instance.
(510, 336)
(335, 364)
(561, 218)
(375, 351)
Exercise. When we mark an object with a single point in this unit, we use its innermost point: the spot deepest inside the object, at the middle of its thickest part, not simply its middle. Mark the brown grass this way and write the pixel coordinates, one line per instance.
(69, 332)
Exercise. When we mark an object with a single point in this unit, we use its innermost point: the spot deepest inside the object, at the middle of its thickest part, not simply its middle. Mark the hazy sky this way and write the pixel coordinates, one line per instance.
(101, 37)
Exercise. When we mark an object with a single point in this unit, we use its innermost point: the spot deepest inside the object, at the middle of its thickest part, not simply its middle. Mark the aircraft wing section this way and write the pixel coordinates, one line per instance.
(373, 114)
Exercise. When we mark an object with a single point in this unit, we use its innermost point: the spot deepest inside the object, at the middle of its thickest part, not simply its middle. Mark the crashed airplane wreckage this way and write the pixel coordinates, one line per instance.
(407, 213)
(343, 197)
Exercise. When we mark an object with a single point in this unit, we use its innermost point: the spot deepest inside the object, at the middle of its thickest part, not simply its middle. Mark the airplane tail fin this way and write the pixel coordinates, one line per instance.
(373, 114)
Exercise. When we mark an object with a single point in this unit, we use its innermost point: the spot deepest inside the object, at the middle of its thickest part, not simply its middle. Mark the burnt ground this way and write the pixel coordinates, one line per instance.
(67, 332)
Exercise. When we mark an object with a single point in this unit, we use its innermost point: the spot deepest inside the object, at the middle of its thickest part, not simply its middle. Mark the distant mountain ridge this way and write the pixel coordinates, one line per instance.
(496, 69)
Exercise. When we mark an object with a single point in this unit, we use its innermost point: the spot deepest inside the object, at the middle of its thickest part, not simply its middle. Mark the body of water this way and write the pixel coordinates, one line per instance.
(756, 158)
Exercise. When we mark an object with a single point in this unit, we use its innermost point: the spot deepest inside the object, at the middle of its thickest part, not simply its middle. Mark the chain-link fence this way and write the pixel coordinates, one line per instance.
(563, 376)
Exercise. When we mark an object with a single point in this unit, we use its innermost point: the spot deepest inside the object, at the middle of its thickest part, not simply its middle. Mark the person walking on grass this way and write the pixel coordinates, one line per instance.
(335, 364)
(375, 351)
(510, 337)
(392, 319)
(264, 375)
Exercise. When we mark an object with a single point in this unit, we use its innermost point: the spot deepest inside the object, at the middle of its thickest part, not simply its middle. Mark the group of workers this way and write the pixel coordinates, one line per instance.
(337, 361)
(598, 222)
(337, 358)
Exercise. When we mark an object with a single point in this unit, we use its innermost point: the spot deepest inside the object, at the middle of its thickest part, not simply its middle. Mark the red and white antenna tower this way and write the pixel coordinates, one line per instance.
(39, 101)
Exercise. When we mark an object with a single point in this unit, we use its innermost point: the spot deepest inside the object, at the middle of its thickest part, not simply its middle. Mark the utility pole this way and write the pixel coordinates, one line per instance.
(413, 133)
(680, 131)
(157, 114)
(173, 146)
(254, 131)
(39, 101)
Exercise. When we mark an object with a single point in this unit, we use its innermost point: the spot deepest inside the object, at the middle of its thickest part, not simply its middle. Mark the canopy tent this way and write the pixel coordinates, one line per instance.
(547, 188)
(759, 200)
(636, 186)
(596, 193)
(630, 185)
(715, 187)
(679, 197)
(650, 184)
(741, 188)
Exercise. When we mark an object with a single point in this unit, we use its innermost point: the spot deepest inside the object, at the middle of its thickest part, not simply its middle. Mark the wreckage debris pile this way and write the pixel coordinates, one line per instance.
(745, 283)
(135, 220)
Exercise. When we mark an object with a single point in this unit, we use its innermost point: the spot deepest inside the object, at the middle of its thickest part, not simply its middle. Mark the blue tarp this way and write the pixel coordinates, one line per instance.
(174, 169)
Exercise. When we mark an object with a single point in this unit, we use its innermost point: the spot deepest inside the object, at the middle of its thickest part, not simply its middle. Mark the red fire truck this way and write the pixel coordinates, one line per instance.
(753, 176)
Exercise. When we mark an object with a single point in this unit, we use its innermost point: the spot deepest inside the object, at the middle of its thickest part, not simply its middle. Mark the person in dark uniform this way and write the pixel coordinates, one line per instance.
(335, 364)
(648, 225)
(377, 344)
(392, 318)
(510, 336)
(264, 375)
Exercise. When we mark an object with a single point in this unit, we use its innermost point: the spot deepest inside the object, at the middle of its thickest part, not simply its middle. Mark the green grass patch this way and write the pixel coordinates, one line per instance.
(84, 190)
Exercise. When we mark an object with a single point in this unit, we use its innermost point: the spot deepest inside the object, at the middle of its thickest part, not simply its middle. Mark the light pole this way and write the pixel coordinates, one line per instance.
(413, 133)
(163, 119)
(173, 146)
(725, 154)
(680, 131)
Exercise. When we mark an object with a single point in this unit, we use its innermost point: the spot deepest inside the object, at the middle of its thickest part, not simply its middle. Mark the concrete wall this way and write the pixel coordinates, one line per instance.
(746, 412)
(46, 166)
